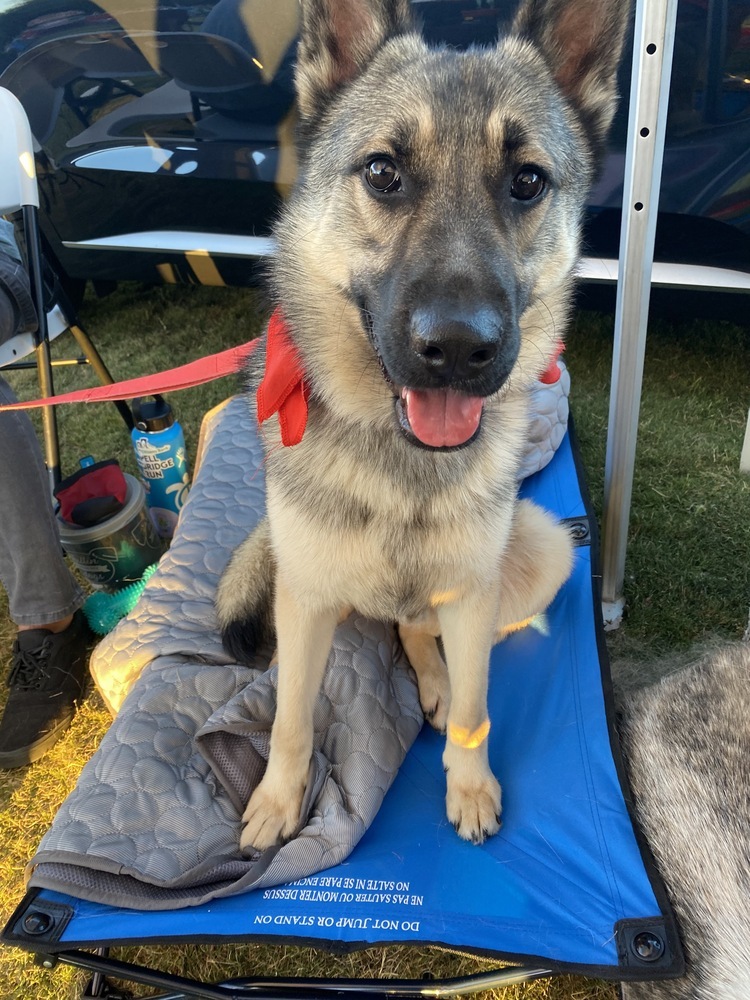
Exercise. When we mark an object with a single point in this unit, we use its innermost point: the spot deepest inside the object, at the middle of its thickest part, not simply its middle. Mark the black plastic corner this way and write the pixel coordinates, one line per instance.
(37, 923)
(579, 528)
(644, 948)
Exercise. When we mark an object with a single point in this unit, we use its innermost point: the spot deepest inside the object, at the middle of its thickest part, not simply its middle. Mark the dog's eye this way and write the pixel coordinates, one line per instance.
(382, 175)
(527, 184)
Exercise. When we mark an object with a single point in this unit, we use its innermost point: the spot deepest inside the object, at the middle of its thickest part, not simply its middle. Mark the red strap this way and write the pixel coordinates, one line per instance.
(283, 389)
(194, 373)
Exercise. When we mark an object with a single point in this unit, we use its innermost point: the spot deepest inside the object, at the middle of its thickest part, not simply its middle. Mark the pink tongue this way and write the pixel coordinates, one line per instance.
(442, 418)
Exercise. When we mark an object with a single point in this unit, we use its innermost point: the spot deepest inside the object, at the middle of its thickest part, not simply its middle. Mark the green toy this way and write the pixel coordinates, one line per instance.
(103, 611)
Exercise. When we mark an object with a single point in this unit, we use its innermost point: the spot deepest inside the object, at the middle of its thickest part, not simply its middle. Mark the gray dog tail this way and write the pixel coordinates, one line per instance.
(245, 598)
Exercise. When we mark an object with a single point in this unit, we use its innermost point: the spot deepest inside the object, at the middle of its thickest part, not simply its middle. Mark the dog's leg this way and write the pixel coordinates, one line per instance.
(304, 636)
(473, 795)
(536, 563)
(421, 648)
(342, 616)
(244, 599)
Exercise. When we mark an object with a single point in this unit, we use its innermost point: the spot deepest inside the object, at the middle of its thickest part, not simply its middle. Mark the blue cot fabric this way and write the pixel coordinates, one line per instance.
(565, 868)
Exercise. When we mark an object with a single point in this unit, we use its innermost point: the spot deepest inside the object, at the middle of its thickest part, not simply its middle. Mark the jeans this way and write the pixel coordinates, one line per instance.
(41, 588)
(8, 242)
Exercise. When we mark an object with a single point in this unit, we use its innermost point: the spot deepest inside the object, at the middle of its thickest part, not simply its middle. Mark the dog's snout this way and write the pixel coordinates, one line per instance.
(455, 346)
(454, 357)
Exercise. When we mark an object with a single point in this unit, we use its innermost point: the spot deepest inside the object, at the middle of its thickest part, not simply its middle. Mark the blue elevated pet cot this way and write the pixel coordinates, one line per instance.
(565, 886)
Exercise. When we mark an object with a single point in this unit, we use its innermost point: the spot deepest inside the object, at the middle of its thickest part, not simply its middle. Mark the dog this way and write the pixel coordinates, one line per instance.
(423, 280)
(686, 741)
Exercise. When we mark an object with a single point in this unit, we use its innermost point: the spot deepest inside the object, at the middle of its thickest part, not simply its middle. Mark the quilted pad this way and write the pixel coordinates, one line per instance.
(549, 410)
(154, 820)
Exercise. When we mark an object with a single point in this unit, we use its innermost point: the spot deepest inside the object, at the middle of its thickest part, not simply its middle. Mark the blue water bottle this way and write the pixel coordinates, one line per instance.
(159, 446)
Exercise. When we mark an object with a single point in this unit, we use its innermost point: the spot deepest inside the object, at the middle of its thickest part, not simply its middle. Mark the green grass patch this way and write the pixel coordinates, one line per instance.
(688, 563)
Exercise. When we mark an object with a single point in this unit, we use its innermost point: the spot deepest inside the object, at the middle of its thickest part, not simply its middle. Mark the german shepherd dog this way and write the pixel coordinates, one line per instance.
(424, 272)
(687, 745)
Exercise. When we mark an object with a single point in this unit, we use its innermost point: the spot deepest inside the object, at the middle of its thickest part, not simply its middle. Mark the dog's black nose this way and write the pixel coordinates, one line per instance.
(455, 345)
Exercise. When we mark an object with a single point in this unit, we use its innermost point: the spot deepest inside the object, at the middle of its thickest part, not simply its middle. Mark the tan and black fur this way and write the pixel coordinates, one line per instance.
(454, 282)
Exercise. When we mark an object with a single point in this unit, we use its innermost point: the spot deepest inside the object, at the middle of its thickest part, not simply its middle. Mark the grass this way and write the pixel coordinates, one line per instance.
(687, 571)
(688, 568)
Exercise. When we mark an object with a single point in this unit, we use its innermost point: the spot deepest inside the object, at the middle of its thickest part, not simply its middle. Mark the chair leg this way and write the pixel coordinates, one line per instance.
(49, 416)
(44, 365)
(42, 351)
(96, 361)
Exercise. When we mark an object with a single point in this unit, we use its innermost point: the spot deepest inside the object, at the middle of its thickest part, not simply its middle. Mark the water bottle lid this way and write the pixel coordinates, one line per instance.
(155, 416)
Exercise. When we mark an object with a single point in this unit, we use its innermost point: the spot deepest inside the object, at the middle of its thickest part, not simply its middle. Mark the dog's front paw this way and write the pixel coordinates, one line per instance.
(434, 685)
(271, 818)
(435, 697)
(474, 807)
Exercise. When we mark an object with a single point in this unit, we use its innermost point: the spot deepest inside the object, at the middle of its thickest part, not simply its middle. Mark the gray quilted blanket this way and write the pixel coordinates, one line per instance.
(154, 820)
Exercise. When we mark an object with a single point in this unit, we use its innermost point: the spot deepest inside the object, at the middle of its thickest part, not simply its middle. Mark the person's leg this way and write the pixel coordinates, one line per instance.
(41, 589)
(50, 651)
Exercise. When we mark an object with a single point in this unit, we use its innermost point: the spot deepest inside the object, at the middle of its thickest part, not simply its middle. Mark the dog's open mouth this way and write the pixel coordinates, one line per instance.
(439, 418)
(432, 418)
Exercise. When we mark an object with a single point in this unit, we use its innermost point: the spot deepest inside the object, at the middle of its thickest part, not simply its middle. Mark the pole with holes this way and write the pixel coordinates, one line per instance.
(649, 95)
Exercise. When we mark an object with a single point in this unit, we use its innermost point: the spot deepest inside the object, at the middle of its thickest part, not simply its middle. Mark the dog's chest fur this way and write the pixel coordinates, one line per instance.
(386, 527)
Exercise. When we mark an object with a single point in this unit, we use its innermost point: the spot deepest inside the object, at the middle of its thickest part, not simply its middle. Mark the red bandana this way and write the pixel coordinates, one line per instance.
(283, 389)
(552, 372)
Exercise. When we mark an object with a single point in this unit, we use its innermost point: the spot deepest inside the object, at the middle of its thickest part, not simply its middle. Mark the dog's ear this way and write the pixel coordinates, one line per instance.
(337, 40)
(582, 41)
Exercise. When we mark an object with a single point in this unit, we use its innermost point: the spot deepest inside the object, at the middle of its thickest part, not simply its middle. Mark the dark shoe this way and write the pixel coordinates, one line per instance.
(47, 678)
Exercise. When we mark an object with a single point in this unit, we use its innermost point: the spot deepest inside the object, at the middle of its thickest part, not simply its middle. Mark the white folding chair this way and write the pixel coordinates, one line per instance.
(19, 193)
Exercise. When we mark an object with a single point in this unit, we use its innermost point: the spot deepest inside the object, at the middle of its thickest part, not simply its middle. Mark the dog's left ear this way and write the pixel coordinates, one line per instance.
(582, 41)
(338, 38)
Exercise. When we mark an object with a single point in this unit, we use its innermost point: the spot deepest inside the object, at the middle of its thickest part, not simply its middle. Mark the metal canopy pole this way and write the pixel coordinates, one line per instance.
(653, 44)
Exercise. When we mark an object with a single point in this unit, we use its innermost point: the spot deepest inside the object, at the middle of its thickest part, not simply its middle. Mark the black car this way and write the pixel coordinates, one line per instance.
(165, 133)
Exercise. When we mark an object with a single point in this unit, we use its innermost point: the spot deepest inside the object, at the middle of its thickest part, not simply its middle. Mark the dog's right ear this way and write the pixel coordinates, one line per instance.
(338, 38)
